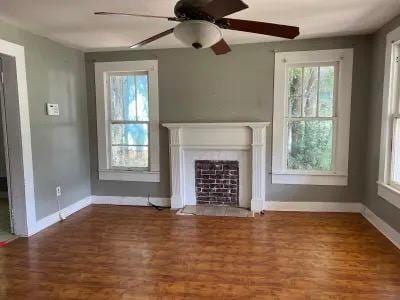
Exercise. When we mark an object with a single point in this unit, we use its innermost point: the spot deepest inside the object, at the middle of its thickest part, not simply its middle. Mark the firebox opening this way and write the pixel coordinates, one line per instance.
(217, 182)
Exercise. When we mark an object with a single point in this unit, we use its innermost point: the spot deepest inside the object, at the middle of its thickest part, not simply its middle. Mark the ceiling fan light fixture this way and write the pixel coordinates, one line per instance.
(198, 34)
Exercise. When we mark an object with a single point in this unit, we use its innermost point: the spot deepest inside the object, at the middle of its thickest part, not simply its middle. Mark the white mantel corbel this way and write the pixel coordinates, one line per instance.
(245, 136)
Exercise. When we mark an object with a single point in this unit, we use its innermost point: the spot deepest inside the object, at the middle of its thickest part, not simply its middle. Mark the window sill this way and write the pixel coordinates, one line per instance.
(302, 179)
(389, 193)
(117, 175)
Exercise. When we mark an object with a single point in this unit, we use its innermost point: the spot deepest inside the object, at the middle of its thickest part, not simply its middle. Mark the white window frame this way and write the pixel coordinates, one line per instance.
(387, 190)
(343, 58)
(106, 172)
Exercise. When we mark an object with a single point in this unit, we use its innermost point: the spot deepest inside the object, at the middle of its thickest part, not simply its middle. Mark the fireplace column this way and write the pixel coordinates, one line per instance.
(176, 157)
(258, 167)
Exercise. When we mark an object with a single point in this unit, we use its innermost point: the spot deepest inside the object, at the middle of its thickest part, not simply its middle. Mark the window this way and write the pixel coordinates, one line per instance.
(311, 98)
(127, 119)
(389, 162)
(311, 117)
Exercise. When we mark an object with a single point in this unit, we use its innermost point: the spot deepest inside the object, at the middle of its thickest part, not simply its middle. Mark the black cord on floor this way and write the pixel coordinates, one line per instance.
(159, 208)
(155, 206)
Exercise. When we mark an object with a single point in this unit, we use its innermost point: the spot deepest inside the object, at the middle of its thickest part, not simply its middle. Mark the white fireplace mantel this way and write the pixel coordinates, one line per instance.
(245, 140)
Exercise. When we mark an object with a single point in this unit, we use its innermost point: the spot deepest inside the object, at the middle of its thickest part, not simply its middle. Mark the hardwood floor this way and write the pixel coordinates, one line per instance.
(111, 252)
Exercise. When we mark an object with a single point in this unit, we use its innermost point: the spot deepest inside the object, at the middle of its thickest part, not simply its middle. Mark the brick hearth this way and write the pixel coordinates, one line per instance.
(217, 182)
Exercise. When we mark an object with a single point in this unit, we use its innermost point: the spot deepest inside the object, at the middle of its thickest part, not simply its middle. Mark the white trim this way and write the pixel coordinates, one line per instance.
(24, 213)
(389, 193)
(65, 212)
(219, 125)
(387, 230)
(344, 59)
(144, 176)
(353, 207)
(309, 179)
(103, 116)
(217, 147)
(388, 109)
(133, 201)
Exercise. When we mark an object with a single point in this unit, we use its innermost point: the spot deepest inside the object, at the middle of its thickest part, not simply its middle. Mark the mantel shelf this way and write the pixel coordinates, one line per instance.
(219, 125)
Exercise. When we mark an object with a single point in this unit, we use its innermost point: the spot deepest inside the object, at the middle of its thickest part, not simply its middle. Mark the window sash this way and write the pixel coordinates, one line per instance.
(110, 145)
(127, 122)
(308, 65)
(334, 143)
(334, 118)
(130, 73)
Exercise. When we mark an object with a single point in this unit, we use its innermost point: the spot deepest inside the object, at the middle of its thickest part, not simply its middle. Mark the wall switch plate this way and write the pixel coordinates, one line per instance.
(58, 191)
(52, 109)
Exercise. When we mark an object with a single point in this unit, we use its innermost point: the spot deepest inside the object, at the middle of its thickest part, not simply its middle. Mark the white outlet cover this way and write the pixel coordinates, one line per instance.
(53, 109)
(58, 191)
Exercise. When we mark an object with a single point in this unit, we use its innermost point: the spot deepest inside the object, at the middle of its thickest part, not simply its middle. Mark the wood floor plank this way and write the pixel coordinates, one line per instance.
(115, 252)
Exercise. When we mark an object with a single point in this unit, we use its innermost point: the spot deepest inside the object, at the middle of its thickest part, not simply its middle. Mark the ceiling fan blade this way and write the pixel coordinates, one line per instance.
(153, 38)
(283, 31)
(221, 48)
(221, 8)
(106, 13)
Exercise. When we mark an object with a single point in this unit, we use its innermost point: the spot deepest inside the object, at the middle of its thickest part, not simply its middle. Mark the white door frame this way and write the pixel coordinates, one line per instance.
(24, 211)
(5, 145)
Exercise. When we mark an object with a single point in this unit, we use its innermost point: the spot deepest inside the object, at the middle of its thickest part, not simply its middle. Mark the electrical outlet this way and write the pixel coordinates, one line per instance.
(58, 191)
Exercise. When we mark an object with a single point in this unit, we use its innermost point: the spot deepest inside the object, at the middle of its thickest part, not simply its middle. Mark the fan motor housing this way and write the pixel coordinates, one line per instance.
(192, 10)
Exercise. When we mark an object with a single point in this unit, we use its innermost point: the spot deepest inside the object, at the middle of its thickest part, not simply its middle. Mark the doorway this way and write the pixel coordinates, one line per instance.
(6, 218)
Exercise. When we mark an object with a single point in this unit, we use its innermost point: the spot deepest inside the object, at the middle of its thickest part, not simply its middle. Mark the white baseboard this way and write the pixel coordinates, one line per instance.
(134, 201)
(65, 212)
(382, 226)
(353, 207)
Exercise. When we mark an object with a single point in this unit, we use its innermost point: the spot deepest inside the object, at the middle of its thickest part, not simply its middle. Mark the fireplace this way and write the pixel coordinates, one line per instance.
(217, 182)
(239, 146)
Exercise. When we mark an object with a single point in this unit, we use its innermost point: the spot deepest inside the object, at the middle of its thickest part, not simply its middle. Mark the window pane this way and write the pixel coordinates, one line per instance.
(326, 86)
(396, 152)
(295, 106)
(142, 94)
(130, 156)
(123, 100)
(310, 145)
(129, 134)
(295, 89)
(310, 86)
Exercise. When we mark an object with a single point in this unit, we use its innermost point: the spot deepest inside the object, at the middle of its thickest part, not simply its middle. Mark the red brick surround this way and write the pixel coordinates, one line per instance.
(217, 182)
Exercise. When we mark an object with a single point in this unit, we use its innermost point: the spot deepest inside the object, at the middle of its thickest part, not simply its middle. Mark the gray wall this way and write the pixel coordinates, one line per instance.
(379, 206)
(59, 145)
(197, 86)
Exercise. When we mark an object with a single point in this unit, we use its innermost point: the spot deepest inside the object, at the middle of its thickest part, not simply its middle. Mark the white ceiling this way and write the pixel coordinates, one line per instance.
(72, 22)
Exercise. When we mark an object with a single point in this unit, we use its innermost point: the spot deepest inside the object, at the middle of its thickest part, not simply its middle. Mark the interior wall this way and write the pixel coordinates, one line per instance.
(60, 153)
(197, 86)
(378, 205)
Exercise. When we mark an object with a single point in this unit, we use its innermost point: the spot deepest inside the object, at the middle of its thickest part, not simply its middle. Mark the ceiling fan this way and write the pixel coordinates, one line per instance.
(201, 22)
